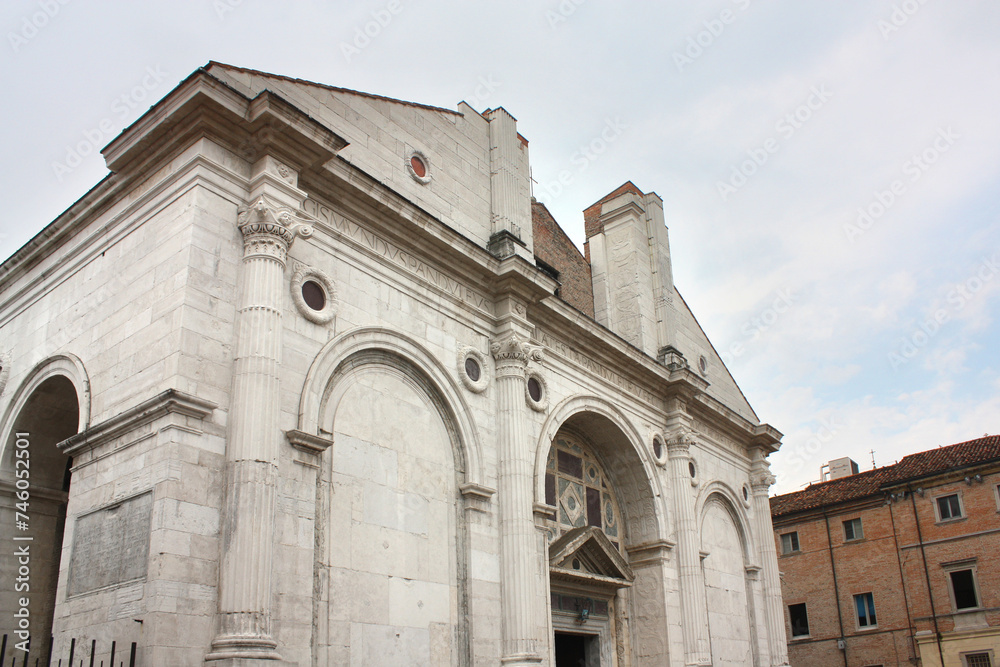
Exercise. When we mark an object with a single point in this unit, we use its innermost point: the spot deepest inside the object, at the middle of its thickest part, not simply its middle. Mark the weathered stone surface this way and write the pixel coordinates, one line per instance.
(325, 487)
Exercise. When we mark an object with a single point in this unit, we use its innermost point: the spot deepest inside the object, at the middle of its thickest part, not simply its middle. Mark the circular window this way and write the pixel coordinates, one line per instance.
(576, 563)
(314, 295)
(746, 495)
(703, 364)
(657, 448)
(472, 369)
(419, 167)
(536, 391)
(691, 469)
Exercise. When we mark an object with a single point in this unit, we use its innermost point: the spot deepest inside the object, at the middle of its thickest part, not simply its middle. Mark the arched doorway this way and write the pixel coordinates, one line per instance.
(34, 489)
(622, 562)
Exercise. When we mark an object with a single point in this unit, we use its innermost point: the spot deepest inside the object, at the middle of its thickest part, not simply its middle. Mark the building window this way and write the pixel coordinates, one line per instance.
(799, 619)
(963, 588)
(578, 487)
(977, 660)
(865, 605)
(852, 529)
(789, 543)
(949, 507)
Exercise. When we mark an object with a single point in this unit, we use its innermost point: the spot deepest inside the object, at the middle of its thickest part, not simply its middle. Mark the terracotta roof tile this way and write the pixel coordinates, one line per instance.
(870, 483)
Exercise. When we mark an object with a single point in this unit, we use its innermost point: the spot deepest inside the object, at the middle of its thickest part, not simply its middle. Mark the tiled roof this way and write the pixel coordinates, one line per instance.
(870, 483)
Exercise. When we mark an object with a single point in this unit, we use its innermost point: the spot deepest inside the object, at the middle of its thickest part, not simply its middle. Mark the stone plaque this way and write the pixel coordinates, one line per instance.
(111, 546)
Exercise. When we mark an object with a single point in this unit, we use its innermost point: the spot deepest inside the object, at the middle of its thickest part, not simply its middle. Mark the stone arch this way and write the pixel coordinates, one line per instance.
(376, 344)
(733, 638)
(619, 444)
(721, 492)
(51, 405)
(65, 365)
(401, 509)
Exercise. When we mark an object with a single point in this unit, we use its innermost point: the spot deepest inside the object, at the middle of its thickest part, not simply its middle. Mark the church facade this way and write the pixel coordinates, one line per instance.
(311, 379)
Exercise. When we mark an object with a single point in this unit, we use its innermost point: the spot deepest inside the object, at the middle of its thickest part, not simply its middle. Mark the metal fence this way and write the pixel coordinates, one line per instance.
(79, 654)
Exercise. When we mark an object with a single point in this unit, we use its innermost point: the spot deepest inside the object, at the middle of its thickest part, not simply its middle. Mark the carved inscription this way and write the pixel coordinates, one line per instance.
(396, 255)
(567, 352)
(111, 546)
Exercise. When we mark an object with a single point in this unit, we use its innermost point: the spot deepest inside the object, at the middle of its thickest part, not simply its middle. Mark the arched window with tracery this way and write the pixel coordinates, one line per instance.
(577, 486)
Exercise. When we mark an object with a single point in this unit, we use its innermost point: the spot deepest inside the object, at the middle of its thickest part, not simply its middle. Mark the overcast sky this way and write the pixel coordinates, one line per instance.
(830, 171)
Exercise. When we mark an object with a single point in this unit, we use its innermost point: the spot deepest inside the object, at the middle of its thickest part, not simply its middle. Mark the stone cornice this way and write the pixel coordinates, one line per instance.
(202, 105)
(169, 401)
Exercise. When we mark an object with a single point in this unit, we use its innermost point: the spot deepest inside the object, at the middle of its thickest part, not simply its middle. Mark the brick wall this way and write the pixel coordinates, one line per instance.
(553, 247)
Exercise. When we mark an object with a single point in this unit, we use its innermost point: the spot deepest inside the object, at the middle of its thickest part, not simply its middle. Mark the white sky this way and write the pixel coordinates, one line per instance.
(833, 100)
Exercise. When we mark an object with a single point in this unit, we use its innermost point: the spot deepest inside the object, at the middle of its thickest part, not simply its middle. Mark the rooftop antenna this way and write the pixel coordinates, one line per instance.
(872, 452)
(531, 181)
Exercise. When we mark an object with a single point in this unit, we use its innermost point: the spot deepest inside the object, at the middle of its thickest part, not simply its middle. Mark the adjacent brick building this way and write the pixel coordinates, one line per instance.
(898, 565)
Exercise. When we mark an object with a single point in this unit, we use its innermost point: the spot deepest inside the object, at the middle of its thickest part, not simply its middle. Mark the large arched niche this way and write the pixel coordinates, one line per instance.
(392, 558)
(51, 405)
(368, 345)
(729, 573)
(617, 444)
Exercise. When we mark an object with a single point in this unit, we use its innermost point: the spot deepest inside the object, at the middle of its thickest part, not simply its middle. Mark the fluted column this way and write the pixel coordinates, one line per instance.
(253, 441)
(760, 481)
(518, 544)
(692, 585)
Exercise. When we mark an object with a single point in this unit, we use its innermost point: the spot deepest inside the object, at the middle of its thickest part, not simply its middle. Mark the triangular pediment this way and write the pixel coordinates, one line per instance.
(587, 555)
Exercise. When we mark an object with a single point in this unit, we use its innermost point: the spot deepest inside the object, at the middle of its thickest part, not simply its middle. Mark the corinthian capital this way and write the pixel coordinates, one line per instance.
(268, 230)
(761, 478)
(514, 352)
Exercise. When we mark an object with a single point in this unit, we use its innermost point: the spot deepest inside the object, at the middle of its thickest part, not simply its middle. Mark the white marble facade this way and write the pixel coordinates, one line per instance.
(291, 397)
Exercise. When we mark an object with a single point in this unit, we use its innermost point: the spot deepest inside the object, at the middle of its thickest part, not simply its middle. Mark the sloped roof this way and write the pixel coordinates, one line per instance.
(871, 483)
(280, 77)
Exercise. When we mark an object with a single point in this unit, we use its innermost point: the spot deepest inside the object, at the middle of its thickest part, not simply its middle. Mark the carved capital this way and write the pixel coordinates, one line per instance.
(679, 443)
(513, 353)
(268, 230)
(761, 478)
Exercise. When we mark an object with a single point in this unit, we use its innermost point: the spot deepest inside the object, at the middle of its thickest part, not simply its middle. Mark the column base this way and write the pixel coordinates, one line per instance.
(521, 660)
(242, 651)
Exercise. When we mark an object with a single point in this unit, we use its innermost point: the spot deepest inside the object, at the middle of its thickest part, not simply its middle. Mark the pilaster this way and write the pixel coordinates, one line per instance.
(518, 543)
(761, 480)
(692, 589)
(253, 441)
